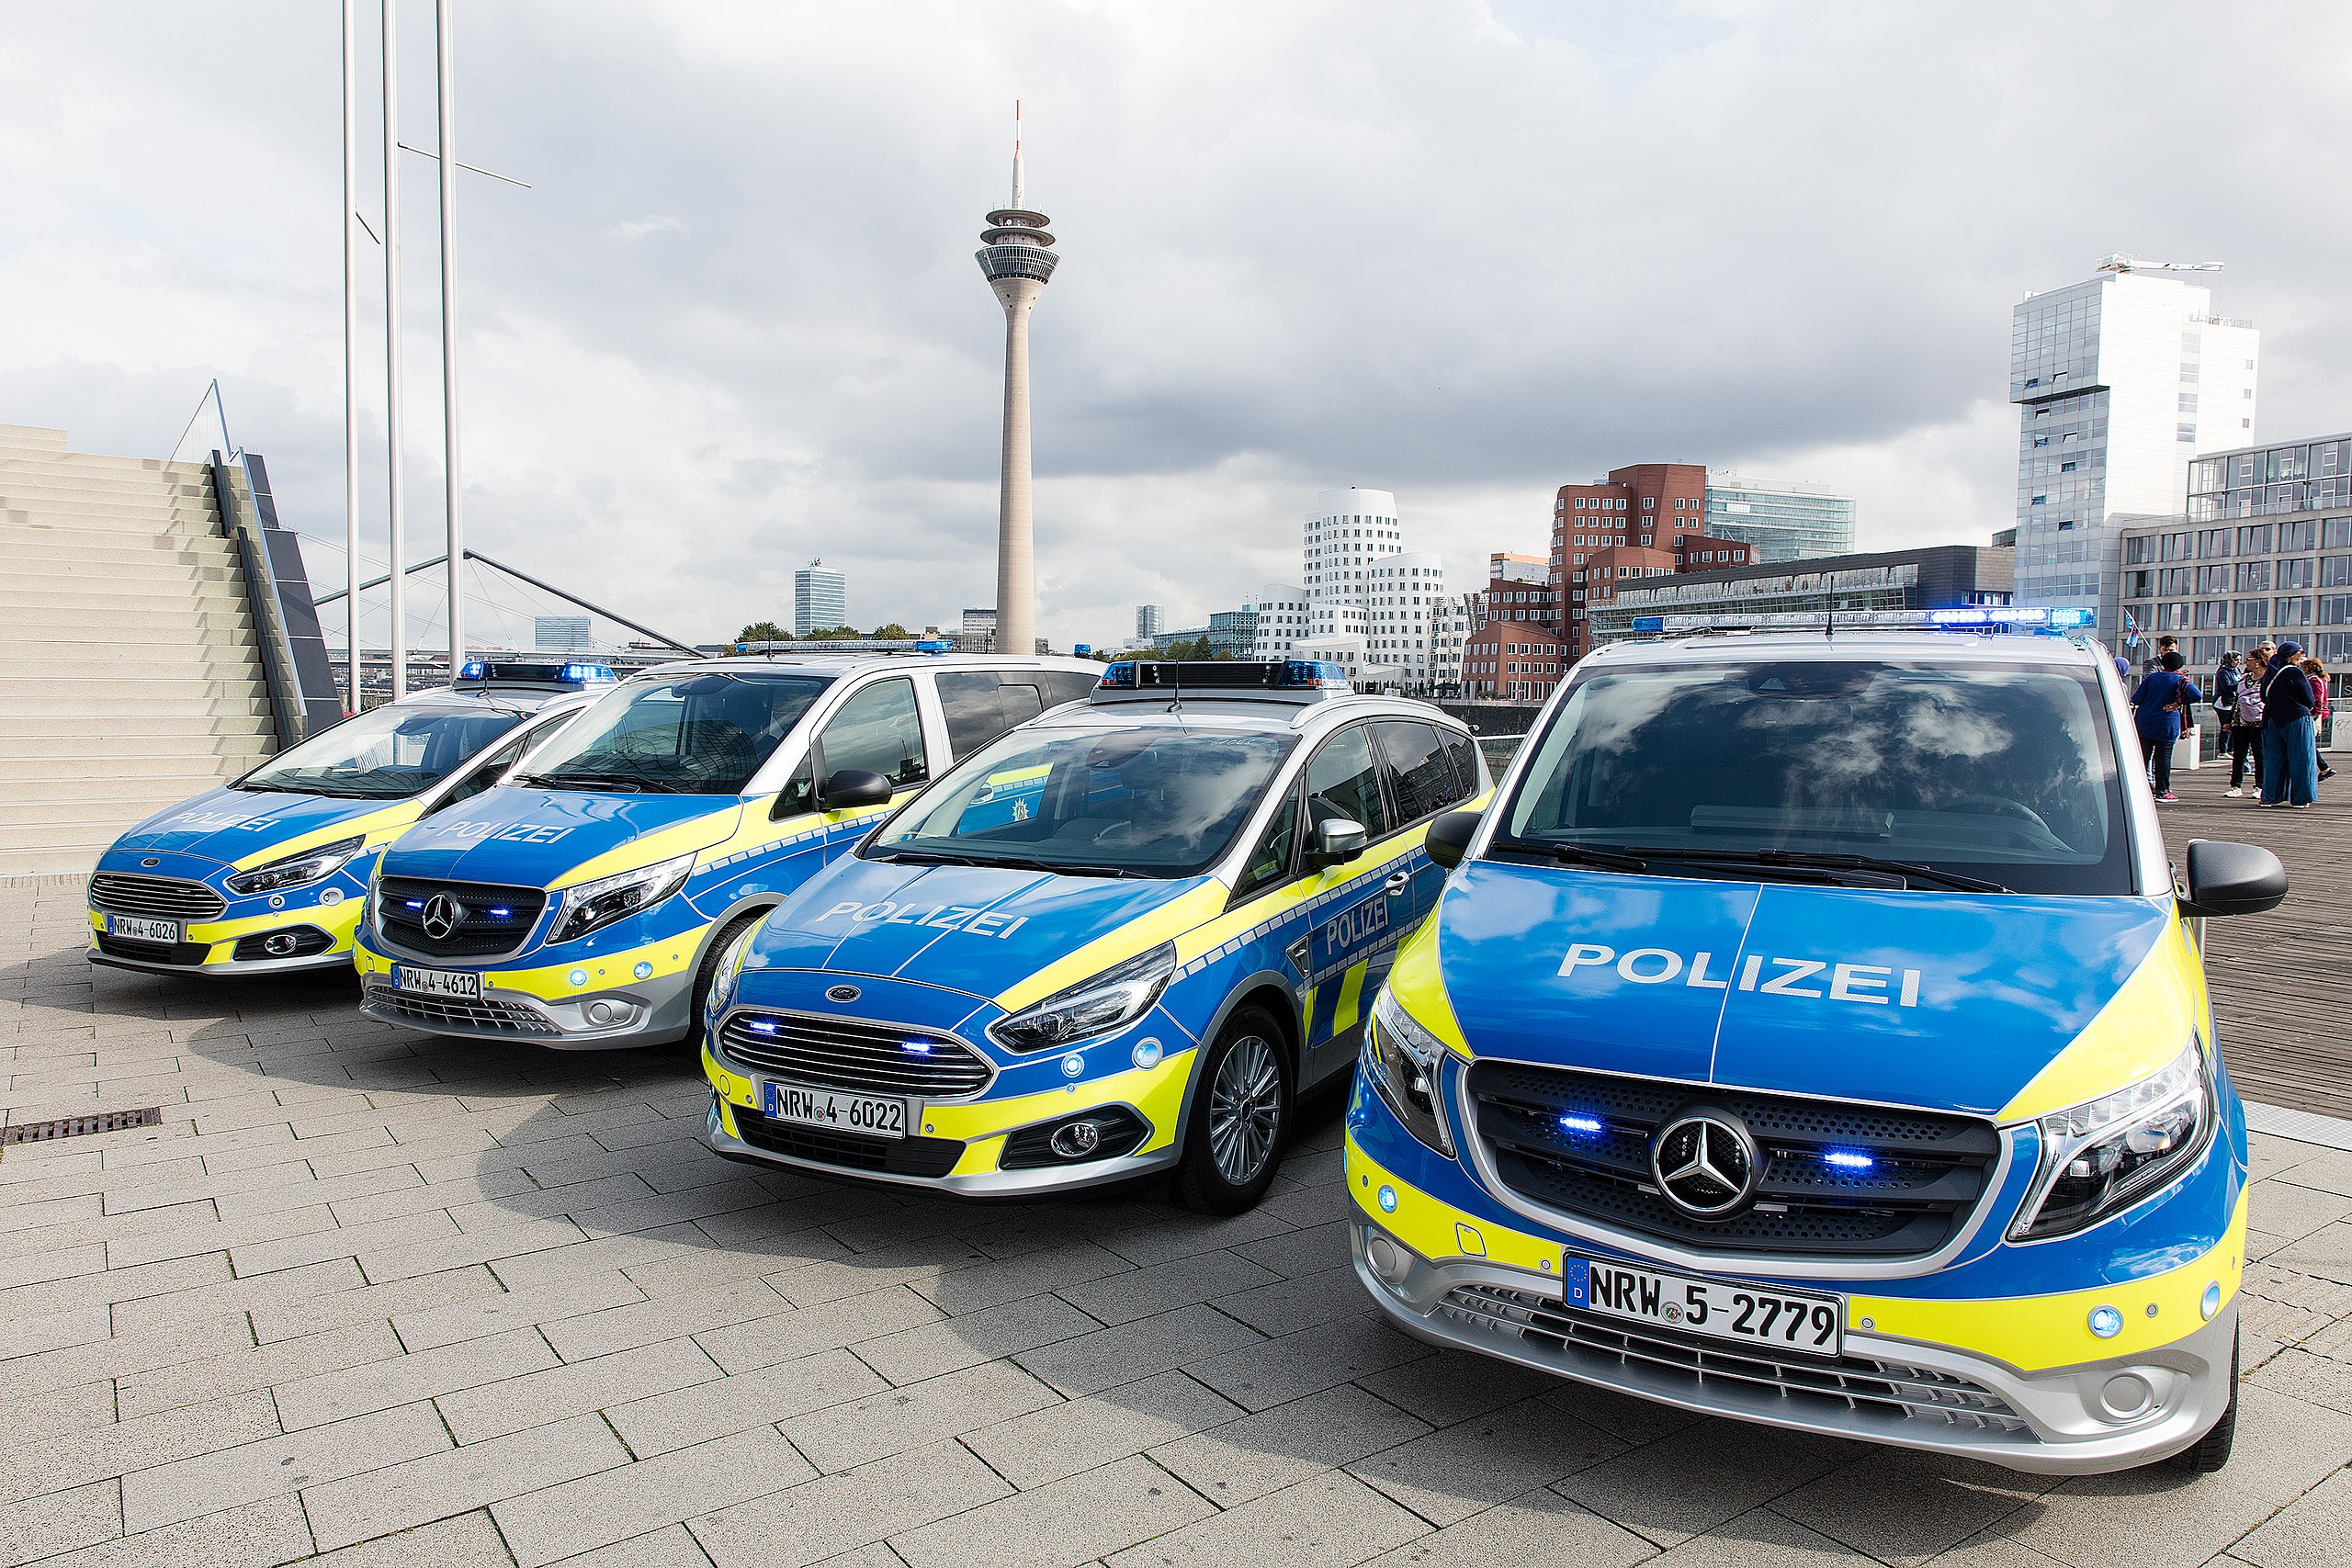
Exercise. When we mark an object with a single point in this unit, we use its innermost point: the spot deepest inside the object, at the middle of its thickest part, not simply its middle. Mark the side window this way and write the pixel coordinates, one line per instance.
(876, 730)
(968, 698)
(1067, 685)
(1342, 783)
(1270, 863)
(1020, 701)
(799, 794)
(1464, 751)
(1420, 778)
(485, 773)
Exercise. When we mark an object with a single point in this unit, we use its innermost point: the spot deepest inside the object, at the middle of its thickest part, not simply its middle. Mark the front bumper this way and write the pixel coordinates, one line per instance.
(554, 1006)
(208, 950)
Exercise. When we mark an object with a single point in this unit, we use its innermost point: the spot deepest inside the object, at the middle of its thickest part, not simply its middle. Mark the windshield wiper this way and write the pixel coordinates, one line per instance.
(1809, 860)
(1052, 868)
(600, 781)
(1597, 857)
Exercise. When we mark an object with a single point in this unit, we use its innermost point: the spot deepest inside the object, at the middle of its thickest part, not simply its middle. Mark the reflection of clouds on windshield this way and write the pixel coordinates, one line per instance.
(1943, 727)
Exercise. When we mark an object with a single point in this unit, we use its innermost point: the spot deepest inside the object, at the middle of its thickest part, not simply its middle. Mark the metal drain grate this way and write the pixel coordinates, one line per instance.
(81, 1126)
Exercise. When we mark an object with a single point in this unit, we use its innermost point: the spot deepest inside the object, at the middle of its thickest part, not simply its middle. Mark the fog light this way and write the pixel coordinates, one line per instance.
(1146, 1055)
(1073, 1064)
(1387, 1259)
(578, 976)
(1075, 1140)
(2106, 1322)
(602, 1012)
(280, 945)
(643, 971)
(2211, 1301)
(2125, 1395)
(1388, 1200)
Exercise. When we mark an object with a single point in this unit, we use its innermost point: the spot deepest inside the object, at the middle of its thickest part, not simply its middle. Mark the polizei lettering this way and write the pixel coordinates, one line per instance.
(495, 833)
(934, 916)
(1871, 985)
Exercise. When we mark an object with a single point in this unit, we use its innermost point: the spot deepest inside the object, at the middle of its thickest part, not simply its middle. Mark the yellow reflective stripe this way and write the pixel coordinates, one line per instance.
(1418, 983)
(2144, 1025)
(376, 826)
(671, 956)
(2031, 1333)
(1277, 902)
(1142, 934)
(979, 1156)
(696, 833)
(1351, 1006)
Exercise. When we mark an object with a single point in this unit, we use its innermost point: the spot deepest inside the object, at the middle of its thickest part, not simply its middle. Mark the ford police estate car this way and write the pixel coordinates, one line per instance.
(1118, 942)
(1813, 1033)
(265, 875)
(584, 903)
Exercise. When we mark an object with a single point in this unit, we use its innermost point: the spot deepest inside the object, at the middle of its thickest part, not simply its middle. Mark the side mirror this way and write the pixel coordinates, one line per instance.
(2231, 879)
(847, 789)
(1450, 835)
(1336, 842)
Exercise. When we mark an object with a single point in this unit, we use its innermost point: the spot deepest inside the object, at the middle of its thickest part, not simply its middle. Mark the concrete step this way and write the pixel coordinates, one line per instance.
(129, 750)
(128, 709)
(36, 727)
(141, 582)
(112, 615)
(32, 438)
(65, 536)
(62, 480)
(135, 515)
(39, 773)
(72, 800)
(57, 647)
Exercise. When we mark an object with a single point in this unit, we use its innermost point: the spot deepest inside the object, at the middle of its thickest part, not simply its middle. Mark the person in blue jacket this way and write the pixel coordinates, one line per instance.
(2160, 701)
(2290, 747)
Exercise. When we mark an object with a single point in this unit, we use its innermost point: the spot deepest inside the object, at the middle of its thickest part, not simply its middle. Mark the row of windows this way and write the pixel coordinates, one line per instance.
(2204, 614)
(2249, 539)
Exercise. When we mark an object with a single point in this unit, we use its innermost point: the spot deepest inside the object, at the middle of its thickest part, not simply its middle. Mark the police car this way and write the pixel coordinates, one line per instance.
(584, 903)
(266, 874)
(1813, 1033)
(1120, 940)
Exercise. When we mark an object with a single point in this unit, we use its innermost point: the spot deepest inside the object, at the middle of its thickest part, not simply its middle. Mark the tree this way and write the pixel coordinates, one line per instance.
(833, 634)
(763, 631)
(891, 629)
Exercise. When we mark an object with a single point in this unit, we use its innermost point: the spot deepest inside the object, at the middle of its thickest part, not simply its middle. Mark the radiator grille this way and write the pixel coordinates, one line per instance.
(865, 1058)
(893, 1157)
(490, 1015)
(157, 897)
(491, 921)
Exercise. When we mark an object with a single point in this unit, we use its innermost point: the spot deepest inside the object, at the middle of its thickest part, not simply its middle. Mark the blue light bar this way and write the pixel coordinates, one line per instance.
(588, 672)
(1975, 618)
(934, 646)
(473, 670)
(1121, 675)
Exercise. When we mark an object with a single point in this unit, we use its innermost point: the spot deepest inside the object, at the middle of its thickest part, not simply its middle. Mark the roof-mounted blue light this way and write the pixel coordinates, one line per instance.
(473, 670)
(1243, 680)
(935, 645)
(1120, 676)
(1976, 618)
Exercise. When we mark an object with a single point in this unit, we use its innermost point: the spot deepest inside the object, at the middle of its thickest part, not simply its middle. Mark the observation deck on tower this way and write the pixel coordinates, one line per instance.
(1014, 245)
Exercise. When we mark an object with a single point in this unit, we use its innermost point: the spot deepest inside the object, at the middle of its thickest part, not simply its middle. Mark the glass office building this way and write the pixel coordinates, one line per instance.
(1783, 522)
(819, 599)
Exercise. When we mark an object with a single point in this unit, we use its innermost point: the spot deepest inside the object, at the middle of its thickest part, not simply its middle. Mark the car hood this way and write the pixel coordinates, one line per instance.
(227, 824)
(1945, 999)
(533, 837)
(975, 929)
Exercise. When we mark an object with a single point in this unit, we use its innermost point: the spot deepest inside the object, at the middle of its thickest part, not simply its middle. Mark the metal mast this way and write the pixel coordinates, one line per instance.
(351, 344)
(446, 96)
(394, 552)
(1016, 260)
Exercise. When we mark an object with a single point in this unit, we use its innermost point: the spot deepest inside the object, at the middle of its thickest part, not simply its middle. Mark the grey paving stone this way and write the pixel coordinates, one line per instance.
(315, 1401)
(353, 1299)
(672, 1546)
(1902, 1505)
(215, 1377)
(1670, 1490)
(43, 1526)
(41, 1417)
(1450, 1386)
(1541, 1527)
(1062, 1440)
(828, 1325)
(1293, 1253)
(1144, 1292)
(255, 1534)
(1759, 1538)
(535, 1399)
(1303, 1301)
(746, 1400)
(470, 1540)
(428, 1328)
(226, 1474)
(994, 1283)
(836, 1513)
(1189, 1235)
(2314, 1528)
(1136, 1350)
(1269, 1449)
(1060, 1524)
(118, 1447)
(2314, 1379)
(813, 1283)
(934, 1348)
(915, 1415)
(459, 1480)
(1450, 1474)
(1331, 1520)
(645, 1322)
(238, 1295)
(1273, 1371)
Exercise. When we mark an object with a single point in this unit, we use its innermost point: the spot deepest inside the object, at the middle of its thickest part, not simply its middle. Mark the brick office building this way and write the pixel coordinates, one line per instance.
(1642, 521)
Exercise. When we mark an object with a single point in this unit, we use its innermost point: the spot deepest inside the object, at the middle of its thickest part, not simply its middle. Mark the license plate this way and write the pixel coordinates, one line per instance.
(464, 983)
(1744, 1314)
(830, 1109)
(143, 930)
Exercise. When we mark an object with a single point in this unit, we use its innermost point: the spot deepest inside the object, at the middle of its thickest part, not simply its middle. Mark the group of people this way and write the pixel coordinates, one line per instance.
(2270, 704)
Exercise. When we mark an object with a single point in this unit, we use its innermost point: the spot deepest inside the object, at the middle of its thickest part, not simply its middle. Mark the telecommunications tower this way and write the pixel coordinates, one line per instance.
(1016, 259)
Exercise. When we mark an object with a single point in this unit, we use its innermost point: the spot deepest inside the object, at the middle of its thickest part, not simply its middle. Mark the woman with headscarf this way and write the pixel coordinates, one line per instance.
(2289, 753)
(2160, 702)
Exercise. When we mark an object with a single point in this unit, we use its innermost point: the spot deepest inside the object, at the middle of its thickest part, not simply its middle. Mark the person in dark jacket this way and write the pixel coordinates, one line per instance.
(2225, 720)
(2160, 702)
(2289, 740)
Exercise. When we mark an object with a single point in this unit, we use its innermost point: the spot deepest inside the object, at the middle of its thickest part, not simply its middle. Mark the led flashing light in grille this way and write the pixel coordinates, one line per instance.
(1580, 1123)
(1847, 1159)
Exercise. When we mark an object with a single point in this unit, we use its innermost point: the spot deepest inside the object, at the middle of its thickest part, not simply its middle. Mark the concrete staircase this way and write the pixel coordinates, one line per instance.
(129, 677)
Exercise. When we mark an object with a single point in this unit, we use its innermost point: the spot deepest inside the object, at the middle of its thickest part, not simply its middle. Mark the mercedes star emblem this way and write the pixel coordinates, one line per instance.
(1706, 1163)
(842, 993)
(441, 916)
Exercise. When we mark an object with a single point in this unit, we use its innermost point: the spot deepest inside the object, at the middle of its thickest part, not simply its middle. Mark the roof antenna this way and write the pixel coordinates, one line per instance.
(1016, 156)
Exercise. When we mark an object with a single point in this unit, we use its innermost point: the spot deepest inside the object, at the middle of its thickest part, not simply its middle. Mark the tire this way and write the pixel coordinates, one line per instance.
(2212, 1451)
(1241, 1114)
(690, 1045)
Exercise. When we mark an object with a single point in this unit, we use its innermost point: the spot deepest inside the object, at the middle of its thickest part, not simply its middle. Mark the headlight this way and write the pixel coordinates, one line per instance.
(296, 871)
(1402, 1059)
(723, 979)
(592, 906)
(2107, 1154)
(1111, 999)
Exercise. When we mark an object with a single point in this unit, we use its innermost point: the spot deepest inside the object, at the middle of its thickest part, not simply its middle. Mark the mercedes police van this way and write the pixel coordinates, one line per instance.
(1813, 1032)
(582, 904)
(1119, 941)
(266, 874)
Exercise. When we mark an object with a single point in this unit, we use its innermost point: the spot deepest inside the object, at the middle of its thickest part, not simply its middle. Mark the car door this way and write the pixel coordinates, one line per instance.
(1420, 784)
(878, 729)
(1354, 927)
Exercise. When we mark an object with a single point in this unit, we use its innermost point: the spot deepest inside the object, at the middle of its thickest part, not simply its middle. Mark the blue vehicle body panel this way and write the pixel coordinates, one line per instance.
(528, 837)
(224, 825)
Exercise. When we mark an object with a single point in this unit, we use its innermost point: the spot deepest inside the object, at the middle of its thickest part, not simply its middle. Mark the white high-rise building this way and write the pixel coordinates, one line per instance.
(819, 599)
(1281, 609)
(1370, 602)
(2120, 380)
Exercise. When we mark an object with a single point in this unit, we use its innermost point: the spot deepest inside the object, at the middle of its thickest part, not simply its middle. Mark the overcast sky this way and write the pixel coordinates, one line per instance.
(1464, 251)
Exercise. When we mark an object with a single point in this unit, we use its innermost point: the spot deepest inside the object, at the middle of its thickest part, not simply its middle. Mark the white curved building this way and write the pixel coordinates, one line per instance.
(1374, 607)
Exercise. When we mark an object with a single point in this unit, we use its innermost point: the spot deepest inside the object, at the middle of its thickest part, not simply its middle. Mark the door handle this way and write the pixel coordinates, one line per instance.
(1398, 883)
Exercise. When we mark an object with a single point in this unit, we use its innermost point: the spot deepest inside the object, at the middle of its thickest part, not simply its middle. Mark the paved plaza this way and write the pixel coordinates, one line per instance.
(368, 1298)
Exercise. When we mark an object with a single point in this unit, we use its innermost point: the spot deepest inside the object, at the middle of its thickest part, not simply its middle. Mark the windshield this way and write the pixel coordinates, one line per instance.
(2001, 775)
(386, 753)
(704, 733)
(1158, 802)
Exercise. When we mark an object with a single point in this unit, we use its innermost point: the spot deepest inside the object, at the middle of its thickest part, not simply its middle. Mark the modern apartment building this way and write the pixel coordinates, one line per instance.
(1282, 610)
(1150, 620)
(2120, 380)
(1938, 577)
(2265, 551)
(1373, 606)
(1645, 520)
(819, 599)
(559, 632)
(1779, 521)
